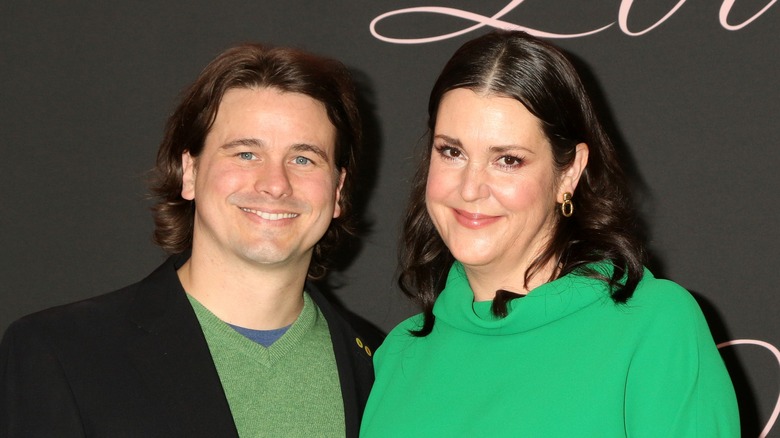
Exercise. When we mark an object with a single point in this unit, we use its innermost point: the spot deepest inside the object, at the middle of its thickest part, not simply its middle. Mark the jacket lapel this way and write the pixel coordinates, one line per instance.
(353, 360)
(173, 358)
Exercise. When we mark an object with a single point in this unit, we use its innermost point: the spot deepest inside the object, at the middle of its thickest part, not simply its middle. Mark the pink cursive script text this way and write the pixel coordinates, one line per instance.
(495, 21)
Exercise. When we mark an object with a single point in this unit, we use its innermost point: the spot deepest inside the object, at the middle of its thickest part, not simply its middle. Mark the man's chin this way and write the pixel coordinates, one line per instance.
(274, 256)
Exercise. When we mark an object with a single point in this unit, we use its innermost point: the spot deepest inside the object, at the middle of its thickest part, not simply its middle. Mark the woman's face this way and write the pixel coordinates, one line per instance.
(492, 185)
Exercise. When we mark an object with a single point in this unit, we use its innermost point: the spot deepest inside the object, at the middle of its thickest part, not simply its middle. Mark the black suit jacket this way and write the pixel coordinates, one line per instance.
(135, 363)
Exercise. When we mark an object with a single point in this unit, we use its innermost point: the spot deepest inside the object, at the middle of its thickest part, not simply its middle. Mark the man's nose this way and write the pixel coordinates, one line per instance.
(273, 179)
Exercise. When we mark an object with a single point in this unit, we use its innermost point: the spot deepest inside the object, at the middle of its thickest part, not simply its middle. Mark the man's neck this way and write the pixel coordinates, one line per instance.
(245, 294)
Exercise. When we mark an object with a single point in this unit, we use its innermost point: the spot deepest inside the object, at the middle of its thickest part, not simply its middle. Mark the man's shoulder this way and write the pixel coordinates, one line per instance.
(90, 314)
(83, 314)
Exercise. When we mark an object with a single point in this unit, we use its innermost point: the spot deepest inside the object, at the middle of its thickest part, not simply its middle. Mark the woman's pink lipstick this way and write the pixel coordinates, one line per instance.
(474, 220)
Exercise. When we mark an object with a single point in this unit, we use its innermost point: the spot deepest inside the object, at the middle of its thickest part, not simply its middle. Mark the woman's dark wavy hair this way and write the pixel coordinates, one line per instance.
(254, 66)
(604, 226)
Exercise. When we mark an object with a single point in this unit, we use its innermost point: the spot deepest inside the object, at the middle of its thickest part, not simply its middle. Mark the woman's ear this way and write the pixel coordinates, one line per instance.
(187, 176)
(571, 176)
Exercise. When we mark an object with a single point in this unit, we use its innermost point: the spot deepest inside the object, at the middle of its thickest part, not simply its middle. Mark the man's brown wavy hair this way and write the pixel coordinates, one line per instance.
(254, 66)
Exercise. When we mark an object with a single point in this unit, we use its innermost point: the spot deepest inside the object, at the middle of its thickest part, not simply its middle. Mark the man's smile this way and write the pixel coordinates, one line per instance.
(270, 216)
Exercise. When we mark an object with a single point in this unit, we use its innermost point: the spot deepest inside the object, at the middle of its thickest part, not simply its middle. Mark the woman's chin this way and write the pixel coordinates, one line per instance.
(472, 258)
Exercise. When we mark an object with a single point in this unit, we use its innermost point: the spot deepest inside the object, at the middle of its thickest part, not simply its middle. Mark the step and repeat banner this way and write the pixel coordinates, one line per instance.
(689, 90)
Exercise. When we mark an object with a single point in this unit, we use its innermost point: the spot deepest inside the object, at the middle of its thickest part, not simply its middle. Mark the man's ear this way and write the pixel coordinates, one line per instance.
(571, 176)
(187, 176)
(339, 187)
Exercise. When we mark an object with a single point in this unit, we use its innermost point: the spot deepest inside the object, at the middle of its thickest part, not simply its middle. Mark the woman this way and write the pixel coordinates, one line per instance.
(539, 318)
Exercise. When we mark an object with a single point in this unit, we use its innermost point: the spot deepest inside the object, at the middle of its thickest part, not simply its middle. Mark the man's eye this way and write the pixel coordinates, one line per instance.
(302, 160)
(246, 155)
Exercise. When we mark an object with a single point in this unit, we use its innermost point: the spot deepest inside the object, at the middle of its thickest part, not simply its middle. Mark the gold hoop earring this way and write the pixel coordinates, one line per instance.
(567, 207)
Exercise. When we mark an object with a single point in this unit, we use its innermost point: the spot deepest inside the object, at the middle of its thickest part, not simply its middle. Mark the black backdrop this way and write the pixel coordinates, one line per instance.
(688, 88)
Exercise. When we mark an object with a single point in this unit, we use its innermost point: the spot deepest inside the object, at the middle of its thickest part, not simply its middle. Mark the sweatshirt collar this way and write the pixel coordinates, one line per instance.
(545, 304)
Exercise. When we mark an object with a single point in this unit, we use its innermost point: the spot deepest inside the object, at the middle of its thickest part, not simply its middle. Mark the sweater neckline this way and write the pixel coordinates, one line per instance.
(214, 328)
(545, 304)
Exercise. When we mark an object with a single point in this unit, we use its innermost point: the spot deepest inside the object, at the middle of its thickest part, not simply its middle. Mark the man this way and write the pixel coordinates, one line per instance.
(227, 337)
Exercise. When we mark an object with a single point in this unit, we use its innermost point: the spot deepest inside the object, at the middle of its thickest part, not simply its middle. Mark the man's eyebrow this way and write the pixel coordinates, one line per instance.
(305, 147)
(257, 143)
(243, 142)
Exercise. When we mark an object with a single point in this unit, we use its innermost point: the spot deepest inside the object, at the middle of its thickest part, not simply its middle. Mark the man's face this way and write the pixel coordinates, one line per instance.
(265, 185)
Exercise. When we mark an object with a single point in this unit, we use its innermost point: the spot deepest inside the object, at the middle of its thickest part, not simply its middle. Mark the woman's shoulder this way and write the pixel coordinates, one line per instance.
(405, 327)
(659, 292)
(664, 303)
(400, 337)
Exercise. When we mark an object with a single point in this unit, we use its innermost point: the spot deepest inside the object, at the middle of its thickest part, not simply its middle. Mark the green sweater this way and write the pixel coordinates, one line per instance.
(289, 389)
(566, 362)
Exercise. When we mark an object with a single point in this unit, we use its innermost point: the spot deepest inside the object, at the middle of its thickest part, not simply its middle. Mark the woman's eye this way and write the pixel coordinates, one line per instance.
(510, 161)
(450, 152)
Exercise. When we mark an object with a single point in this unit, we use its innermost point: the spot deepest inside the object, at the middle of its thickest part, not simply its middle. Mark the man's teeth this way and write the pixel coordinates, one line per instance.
(271, 216)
